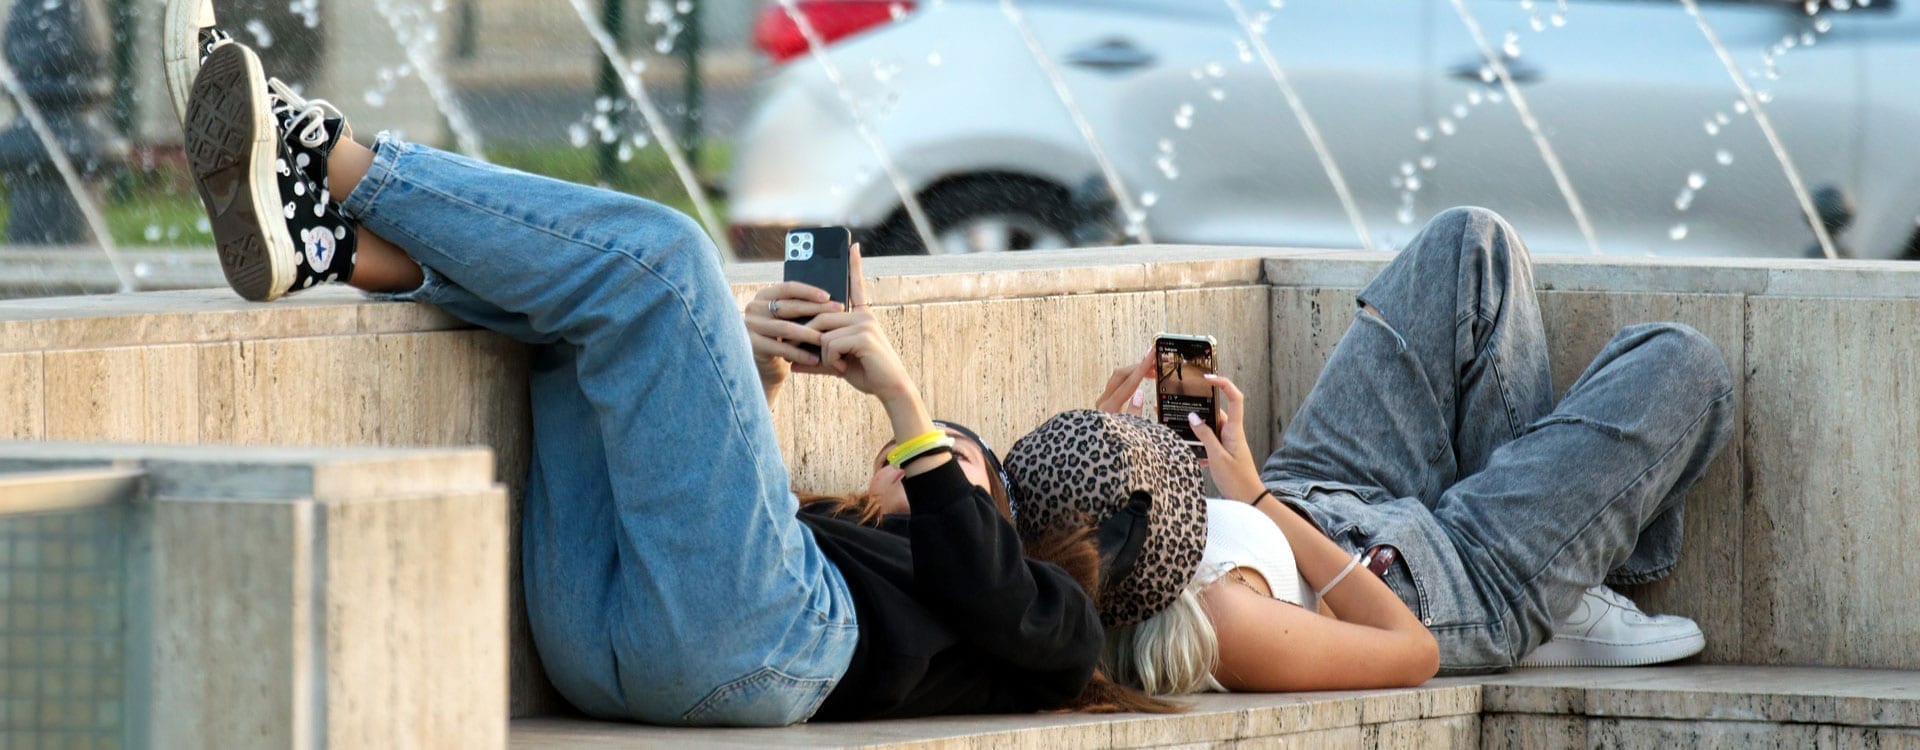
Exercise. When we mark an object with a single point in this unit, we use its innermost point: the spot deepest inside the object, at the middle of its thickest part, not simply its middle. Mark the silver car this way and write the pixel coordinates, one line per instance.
(1659, 146)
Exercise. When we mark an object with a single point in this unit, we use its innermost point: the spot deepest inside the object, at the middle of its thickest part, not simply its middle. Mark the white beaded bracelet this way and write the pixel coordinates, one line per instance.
(1337, 579)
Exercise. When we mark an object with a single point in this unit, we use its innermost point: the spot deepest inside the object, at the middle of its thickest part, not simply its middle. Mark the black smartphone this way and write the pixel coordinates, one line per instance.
(1181, 364)
(819, 256)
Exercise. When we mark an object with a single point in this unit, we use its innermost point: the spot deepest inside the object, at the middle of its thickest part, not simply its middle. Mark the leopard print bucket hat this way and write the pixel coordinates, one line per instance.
(1084, 467)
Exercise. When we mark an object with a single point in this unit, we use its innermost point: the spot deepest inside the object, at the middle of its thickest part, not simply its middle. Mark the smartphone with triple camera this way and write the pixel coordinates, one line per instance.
(1181, 364)
(819, 256)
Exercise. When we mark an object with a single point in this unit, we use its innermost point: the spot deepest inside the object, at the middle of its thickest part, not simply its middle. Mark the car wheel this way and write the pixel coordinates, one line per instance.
(984, 215)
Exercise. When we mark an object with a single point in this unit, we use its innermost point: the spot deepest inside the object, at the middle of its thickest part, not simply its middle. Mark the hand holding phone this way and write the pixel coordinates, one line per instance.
(1182, 364)
(820, 257)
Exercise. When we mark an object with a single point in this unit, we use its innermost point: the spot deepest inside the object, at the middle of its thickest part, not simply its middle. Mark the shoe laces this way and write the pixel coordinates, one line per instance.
(1630, 613)
(308, 115)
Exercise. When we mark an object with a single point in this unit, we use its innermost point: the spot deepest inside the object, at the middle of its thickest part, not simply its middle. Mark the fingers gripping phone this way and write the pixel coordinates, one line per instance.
(1181, 364)
(819, 257)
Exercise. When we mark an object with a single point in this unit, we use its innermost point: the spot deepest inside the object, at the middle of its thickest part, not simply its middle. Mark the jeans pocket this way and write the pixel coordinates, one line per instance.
(766, 698)
(1400, 580)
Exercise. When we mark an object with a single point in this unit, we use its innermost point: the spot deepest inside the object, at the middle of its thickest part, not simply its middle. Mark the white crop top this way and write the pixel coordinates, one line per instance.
(1241, 536)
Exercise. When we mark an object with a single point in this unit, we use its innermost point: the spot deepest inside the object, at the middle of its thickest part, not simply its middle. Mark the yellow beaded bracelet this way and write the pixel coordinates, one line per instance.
(917, 446)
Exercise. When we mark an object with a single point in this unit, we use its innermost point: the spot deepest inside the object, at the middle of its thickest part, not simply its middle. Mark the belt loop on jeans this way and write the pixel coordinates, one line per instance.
(1379, 558)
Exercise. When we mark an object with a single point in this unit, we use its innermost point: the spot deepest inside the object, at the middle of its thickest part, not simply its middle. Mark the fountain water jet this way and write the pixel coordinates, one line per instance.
(1107, 170)
(817, 49)
(638, 92)
(465, 135)
(1500, 71)
(96, 222)
(1306, 124)
(1766, 128)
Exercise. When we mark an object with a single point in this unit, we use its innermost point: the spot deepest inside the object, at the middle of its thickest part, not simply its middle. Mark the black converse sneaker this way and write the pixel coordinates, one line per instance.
(238, 162)
(190, 36)
(310, 128)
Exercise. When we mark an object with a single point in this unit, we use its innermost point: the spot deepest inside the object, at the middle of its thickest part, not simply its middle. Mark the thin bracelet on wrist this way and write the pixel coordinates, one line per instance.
(1355, 563)
(1264, 495)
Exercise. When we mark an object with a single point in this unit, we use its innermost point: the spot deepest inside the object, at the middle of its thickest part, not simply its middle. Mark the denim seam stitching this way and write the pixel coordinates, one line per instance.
(1623, 491)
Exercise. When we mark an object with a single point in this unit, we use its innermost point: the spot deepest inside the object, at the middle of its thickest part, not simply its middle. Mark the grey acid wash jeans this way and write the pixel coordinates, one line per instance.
(1433, 429)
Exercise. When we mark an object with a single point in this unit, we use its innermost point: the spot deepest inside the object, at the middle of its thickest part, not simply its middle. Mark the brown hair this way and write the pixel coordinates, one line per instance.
(1075, 552)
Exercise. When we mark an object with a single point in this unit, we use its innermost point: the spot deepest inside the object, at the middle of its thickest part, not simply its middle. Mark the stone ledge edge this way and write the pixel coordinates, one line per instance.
(211, 316)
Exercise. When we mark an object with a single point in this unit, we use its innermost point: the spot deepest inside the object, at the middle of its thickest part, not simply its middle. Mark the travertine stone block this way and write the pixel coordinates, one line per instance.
(1201, 725)
(1502, 731)
(1383, 706)
(1706, 584)
(1863, 738)
(1525, 697)
(1343, 738)
(1461, 732)
(1087, 336)
(368, 609)
(1713, 735)
(416, 587)
(125, 394)
(1449, 697)
(1801, 695)
(23, 414)
(1307, 324)
(1831, 440)
(985, 364)
(1302, 716)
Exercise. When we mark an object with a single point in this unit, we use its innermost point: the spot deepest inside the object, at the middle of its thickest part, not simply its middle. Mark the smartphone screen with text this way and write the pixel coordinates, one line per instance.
(1181, 365)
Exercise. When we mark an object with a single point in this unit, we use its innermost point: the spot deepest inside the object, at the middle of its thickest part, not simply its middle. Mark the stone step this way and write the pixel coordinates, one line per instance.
(1678, 706)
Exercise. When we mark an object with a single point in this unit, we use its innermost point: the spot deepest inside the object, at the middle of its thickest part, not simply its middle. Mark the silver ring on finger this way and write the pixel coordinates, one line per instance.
(773, 308)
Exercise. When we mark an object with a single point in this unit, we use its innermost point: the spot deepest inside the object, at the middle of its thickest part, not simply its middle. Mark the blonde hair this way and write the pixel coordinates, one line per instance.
(1173, 652)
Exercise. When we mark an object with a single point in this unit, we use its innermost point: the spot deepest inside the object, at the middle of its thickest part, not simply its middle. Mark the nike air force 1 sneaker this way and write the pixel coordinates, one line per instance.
(1608, 630)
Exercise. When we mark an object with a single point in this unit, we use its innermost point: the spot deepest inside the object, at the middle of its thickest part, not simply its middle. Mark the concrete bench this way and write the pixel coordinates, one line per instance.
(1796, 540)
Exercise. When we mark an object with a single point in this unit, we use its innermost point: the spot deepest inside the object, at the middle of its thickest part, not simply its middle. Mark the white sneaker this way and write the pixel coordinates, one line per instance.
(1608, 630)
(190, 34)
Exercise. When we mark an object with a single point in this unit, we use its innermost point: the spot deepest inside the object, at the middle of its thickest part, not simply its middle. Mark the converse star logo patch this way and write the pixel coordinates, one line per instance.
(319, 248)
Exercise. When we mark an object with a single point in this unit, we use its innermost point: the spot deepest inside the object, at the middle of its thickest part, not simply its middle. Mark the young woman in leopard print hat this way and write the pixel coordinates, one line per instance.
(1430, 507)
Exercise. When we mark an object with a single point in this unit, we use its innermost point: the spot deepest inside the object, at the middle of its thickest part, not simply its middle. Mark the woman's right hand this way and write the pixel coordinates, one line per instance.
(1126, 390)
(1228, 455)
(776, 338)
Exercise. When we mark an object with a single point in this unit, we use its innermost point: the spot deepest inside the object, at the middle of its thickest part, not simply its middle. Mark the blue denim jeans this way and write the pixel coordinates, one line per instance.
(1433, 429)
(667, 578)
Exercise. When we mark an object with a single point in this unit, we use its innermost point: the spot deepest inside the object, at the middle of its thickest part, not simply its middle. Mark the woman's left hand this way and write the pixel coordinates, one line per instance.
(1228, 455)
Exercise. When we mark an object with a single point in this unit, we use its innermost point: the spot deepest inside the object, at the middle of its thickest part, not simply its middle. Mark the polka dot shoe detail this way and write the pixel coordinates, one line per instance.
(310, 128)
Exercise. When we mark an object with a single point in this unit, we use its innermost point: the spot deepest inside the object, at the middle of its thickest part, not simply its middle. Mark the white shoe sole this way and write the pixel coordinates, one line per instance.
(180, 48)
(230, 142)
(1573, 653)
